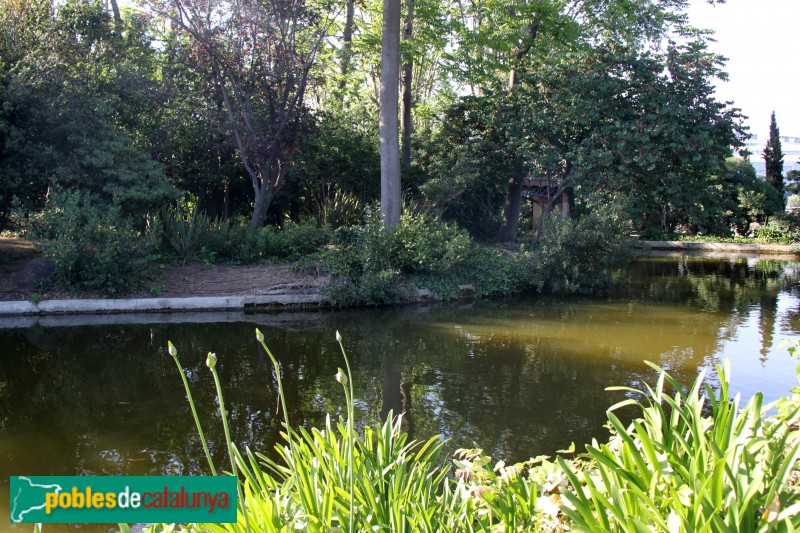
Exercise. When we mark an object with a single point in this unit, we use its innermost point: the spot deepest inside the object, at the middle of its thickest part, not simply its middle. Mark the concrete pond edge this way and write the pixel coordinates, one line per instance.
(177, 304)
(266, 303)
(723, 247)
(294, 301)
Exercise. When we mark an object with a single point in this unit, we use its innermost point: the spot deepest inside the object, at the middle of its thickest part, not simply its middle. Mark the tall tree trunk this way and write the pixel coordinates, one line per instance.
(513, 205)
(510, 223)
(389, 141)
(511, 210)
(117, 16)
(347, 43)
(258, 208)
(226, 200)
(406, 81)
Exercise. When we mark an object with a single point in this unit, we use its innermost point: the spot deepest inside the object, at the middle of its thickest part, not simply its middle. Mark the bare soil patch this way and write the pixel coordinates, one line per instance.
(167, 280)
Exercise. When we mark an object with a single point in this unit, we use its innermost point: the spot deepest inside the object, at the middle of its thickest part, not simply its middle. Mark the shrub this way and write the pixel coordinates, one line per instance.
(371, 266)
(422, 244)
(684, 467)
(494, 271)
(781, 229)
(338, 210)
(92, 246)
(295, 240)
(184, 231)
(581, 255)
(573, 256)
(233, 241)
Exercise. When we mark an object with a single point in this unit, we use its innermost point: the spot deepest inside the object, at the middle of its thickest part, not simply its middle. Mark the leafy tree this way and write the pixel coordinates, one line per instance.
(256, 57)
(746, 198)
(69, 98)
(499, 40)
(617, 121)
(792, 182)
(424, 83)
(192, 141)
(338, 155)
(773, 156)
(469, 162)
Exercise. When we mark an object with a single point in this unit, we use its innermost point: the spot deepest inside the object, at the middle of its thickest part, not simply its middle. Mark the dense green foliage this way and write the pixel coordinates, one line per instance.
(92, 246)
(191, 234)
(372, 259)
(773, 156)
(377, 266)
(689, 461)
(580, 256)
(754, 202)
(74, 107)
(267, 112)
(780, 230)
(620, 121)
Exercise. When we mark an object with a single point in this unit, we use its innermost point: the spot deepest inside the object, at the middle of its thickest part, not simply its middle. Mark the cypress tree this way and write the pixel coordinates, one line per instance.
(773, 156)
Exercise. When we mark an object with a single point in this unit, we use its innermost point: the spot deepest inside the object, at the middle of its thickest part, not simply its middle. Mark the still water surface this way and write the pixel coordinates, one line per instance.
(518, 377)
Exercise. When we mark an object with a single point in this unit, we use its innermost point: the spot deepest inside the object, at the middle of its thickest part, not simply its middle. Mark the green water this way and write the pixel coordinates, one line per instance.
(519, 377)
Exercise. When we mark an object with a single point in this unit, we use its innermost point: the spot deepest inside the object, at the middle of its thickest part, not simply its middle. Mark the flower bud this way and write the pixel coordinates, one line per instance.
(211, 360)
(341, 377)
(338, 336)
(171, 349)
(259, 335)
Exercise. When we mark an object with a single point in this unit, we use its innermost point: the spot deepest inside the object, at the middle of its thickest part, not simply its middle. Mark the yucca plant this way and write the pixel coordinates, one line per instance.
(185, 232)
(679, 469)
(339, 209)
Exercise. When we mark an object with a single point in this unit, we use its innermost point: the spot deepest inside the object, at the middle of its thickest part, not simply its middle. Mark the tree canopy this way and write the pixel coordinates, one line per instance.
(773, 156)
(269, 110)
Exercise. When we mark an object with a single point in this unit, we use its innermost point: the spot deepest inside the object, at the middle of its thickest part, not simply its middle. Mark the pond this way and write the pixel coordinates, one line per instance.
(518, 377)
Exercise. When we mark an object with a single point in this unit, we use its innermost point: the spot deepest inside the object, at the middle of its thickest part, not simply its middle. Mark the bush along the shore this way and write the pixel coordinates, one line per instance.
(368, 264)
(189, 234)
(91, 244)
(376, 265)
(689, 462)
(581, 255)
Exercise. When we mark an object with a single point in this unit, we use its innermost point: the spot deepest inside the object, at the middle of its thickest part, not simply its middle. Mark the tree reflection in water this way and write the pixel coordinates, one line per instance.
(518, 377)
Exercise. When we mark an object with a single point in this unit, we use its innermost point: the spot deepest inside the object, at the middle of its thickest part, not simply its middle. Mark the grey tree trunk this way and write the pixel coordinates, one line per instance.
(117, 16)
(513, 205)
(510, 223)
(388, 123)
(347, 43)
(406, 90)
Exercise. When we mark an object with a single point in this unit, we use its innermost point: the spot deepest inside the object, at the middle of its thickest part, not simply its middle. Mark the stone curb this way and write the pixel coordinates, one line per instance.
(144, 305)
(246, 304)
(717, 247)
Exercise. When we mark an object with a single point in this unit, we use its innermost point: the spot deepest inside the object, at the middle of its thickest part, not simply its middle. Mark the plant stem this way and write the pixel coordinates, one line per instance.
(350, 430)
(224, 414)
(174, 353)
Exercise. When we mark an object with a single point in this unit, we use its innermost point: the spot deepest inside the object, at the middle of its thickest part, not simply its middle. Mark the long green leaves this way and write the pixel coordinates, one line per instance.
(685, 467)
(693, 461)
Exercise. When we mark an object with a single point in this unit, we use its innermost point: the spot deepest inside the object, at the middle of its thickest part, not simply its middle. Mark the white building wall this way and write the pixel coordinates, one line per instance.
(791, 154)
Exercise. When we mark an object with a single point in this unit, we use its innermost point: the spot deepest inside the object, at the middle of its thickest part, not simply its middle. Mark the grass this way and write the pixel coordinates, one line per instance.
(692, 461)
